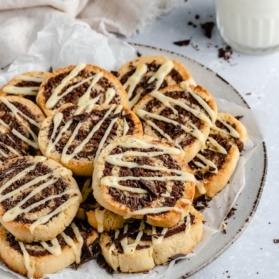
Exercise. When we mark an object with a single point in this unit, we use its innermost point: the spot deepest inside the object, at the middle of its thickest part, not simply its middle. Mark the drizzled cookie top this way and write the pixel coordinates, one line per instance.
(82, 132)
(137, 235)
(26, 84)
(213, 156)
(33, 192)
(179, 116)
(147, 74)
(73, 237)
(145, 177)
(20, 121)
(81, 84)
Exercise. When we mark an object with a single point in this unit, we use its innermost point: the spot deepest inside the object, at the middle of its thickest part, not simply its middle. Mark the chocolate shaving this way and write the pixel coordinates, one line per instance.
(276, 240)
(182, 43)
(225, 52)
(201, 202)
(208, 28)
(91, 252)
(149, 187)
(238, 117)
(115, 73)
(230, 213)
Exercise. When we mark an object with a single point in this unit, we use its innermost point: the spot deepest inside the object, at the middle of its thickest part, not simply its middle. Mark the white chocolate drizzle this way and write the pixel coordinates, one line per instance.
(86, 96)
(28, 91)
(168, 101)
(156, 240)
(159, 76)
(22, 119)
(119, 161)
(29, 265)
(100, 216)
(113, 111)
(129, 249)
(76, 247)
(53, 99)
(24, 90)
(30, 78)
(43, 182)
(132, 82)
(232, 132)
(54, 249)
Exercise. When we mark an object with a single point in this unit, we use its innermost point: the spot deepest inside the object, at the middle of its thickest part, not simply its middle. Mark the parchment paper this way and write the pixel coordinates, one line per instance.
(63, 43)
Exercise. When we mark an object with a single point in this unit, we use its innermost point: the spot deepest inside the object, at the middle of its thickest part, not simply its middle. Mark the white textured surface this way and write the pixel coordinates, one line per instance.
(253, 255)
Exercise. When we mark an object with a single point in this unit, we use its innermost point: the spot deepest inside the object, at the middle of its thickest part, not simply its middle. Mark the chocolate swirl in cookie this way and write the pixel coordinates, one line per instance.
(215, 163)
(81, 84)
(35, 193)
(137, 177)
(76, 135)
(147, 74)
(20, 120)
(36, 258)
(181, 116)
(26, 85)
(147, 246)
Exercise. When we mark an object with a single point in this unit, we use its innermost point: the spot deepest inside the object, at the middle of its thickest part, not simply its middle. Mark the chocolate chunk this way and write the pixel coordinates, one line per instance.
(182, 43)
(225, 53)
(201, 202)
(238, 117)
(115, 73)
(148, 186)
(230, 213)
(139, 54)
(89, 253)
(208, 28)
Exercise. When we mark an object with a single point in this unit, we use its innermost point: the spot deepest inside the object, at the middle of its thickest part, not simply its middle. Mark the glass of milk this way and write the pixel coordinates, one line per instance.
(250, 26)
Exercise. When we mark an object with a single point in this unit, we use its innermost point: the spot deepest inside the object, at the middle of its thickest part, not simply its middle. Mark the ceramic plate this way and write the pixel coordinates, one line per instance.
(255, 168)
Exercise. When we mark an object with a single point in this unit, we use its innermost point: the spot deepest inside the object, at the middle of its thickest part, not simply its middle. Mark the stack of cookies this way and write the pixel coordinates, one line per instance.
(87, 156)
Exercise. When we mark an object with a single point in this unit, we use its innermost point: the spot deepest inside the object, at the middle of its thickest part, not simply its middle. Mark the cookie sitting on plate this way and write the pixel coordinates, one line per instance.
(80, 85)
(142, 177)
(145, 74)
(180, 115)
(214, 165)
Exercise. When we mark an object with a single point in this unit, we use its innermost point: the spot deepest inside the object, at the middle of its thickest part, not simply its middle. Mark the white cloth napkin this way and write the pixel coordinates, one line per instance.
(20, 20)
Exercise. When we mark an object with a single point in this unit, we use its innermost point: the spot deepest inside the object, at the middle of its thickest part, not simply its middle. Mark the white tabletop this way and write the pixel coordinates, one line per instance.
(254, 254)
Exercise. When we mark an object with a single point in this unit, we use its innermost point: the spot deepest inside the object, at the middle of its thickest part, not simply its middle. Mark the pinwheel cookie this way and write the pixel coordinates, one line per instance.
(20, 120)
(98, 217)
(214, 164)
(138, 247)
(79, 85)
(76, 135)
(141, 177)
(179, 115)
(37, 259)
(38, 198)
(148, 73)
(25, 85)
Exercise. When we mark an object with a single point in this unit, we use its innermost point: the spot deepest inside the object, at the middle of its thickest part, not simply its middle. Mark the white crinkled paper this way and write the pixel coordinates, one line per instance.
(70, 42)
